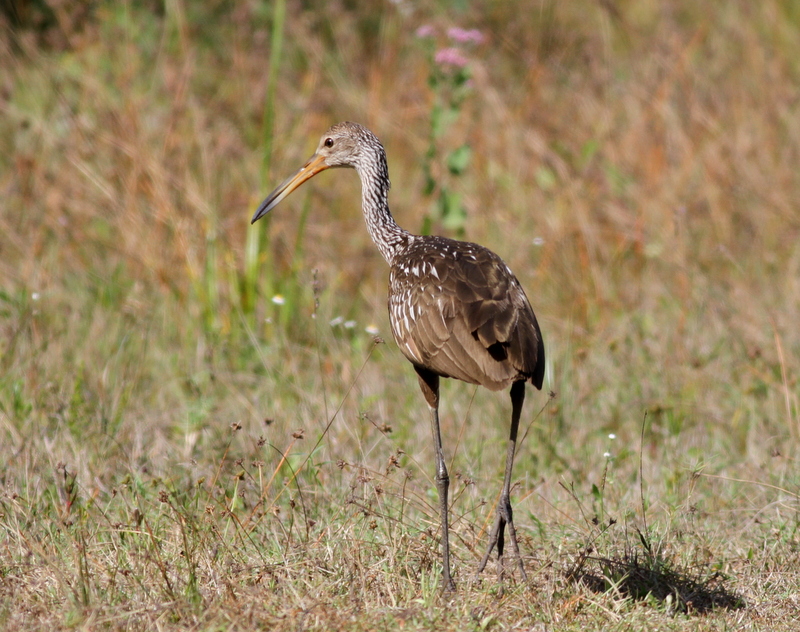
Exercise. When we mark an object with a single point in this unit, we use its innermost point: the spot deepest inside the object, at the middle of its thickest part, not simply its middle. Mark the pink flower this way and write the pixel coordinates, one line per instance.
(426, 30)
(450, 57)
(464, 36)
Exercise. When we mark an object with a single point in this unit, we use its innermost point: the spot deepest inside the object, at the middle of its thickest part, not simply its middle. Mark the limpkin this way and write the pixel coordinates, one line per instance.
(456, 310)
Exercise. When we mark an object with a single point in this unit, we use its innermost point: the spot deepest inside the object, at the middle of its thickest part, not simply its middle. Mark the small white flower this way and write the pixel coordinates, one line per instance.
(612, 436)
(335, 322)
(349, 324)
(372, 330)
(538, 241)
(35, 296)
(278, 299)
(607, 455)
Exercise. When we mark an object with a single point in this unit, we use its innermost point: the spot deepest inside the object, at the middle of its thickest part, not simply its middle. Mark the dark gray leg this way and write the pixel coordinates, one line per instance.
(504, 513)
(429, 383)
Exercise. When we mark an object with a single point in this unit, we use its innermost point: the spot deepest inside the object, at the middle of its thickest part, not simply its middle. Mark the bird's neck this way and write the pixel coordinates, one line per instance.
(390, 238)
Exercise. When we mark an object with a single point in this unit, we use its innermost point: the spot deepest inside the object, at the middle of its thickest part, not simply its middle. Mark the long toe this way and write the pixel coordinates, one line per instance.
(494, 537)
(512, 534)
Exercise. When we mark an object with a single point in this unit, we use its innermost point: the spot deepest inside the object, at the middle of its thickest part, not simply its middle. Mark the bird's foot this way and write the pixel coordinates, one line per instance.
(497, 539)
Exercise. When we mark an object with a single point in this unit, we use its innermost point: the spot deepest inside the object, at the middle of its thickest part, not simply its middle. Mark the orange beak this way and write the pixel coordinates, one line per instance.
(314, 165)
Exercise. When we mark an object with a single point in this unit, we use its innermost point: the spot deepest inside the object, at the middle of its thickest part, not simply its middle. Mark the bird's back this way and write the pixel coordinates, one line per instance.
(457, 309)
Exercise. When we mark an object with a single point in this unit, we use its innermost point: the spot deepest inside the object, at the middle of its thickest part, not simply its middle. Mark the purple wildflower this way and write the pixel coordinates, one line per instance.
(450, 57)
(464, 36)
(426, 30)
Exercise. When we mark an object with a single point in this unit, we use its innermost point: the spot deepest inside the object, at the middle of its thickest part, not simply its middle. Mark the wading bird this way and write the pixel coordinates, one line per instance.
(456, 310)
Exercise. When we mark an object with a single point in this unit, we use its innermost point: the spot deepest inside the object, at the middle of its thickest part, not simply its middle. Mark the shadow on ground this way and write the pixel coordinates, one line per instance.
(645, 575)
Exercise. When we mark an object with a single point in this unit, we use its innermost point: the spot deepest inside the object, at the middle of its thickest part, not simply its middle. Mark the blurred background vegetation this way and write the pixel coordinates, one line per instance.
(634, 162)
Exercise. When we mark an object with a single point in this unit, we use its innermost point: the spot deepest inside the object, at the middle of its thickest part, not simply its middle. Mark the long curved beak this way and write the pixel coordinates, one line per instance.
(314, 165)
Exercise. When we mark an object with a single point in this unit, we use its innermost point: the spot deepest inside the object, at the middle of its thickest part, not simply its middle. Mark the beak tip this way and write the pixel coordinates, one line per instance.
(314, 165)
(260, 212)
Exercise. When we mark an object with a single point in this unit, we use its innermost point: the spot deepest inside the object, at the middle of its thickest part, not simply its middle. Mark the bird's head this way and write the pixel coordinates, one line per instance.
(343, 145)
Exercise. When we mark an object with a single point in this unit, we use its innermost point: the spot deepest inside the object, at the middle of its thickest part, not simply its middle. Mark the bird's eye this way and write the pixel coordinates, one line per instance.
(328, 142)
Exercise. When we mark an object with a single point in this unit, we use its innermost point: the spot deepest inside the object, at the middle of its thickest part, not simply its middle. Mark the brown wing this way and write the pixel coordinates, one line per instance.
(457, 310)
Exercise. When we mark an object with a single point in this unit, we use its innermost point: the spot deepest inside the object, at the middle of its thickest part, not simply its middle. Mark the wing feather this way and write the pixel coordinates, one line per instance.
(456, 309)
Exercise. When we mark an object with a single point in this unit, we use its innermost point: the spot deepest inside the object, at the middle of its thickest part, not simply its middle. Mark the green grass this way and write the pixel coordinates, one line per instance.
(180, 451)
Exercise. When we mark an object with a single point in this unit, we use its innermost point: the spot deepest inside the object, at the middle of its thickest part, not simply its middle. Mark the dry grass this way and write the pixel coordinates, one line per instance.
(180, 452)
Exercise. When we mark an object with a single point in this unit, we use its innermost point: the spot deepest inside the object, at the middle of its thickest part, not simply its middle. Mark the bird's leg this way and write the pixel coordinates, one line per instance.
(505, 515)
(429, 383)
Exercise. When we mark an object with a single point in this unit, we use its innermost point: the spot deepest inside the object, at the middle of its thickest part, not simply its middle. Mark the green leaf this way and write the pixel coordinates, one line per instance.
(453, 213)
(430, 184)
(442, 118)
(458, 160)
(427, 225)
